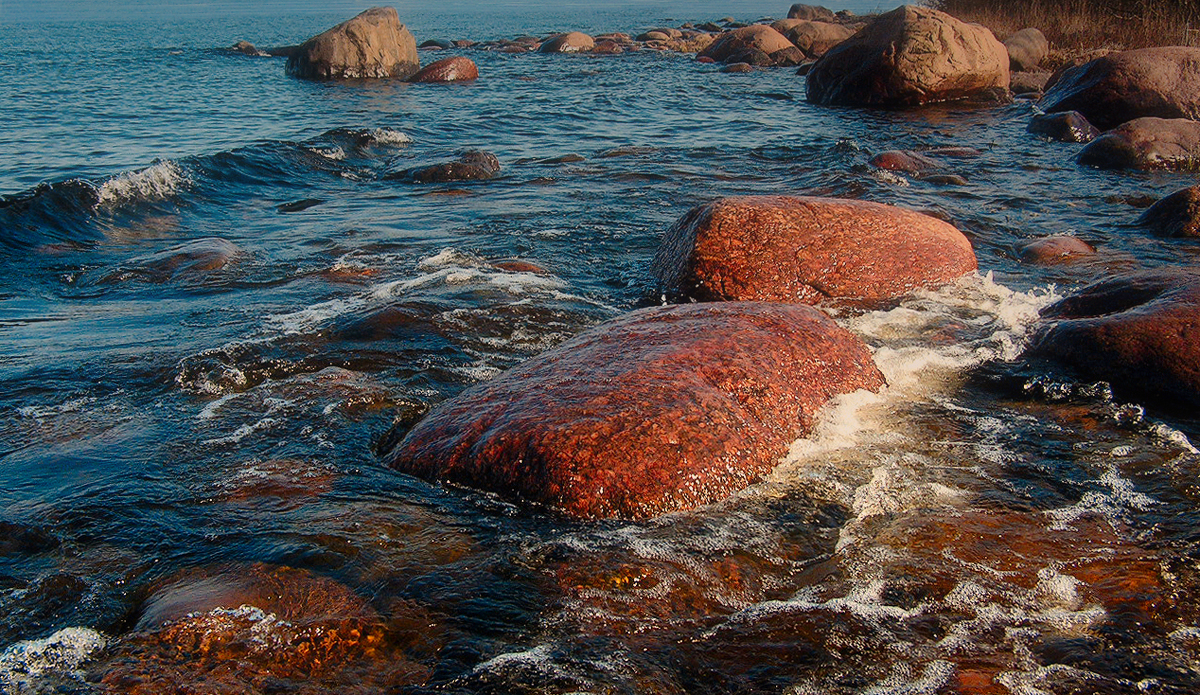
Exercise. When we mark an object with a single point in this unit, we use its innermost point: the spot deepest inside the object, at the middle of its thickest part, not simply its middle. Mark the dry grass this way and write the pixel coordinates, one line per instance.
(1079, 25)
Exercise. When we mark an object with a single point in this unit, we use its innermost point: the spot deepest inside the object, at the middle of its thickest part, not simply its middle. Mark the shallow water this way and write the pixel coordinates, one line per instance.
(215, 310)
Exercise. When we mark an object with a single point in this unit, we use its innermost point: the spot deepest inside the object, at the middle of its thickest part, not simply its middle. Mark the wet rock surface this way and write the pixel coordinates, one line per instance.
(1065, 126)
(1147, 143)
(373, 44)
(1053, 250)
(456, 69)
(473, 165)
(1136, 330)
(571, 42)
(1119, 87)
(1177, 215)
(775, 248)
(663, 409)
(908, 57)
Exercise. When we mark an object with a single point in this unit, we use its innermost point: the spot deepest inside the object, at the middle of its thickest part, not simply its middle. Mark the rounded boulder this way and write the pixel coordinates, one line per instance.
(571, 42)
(1136, 331)
(663, 409)
(456, 69)
(1113, 89)
(1146, 143)
(373, 44)
(732, 45)
(811, 12)
(908, 57)
(1027, 49)
(795, 249)
(1177, 215)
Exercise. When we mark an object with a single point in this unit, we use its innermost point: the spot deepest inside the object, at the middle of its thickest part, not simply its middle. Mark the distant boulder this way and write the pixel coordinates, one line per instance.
(1027, 49)
(908, 57)
(1064, 126)
(456, 69)
(373, 44)
(247, 48)
(811, 12)
(571, 42)
(1119, 87)
(817, 38)
(663, 409)
(1137, 331)
(794, 249)
(758, 45)
(1177, 215)
(1147, 143)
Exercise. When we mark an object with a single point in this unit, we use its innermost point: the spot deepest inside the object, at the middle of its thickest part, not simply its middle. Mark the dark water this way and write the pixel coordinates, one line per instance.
(215, 310)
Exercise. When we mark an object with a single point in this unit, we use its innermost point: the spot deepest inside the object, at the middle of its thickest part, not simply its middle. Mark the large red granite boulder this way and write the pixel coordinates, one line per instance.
(910, 56)
(1146, 143)
(663, 409)
(1161, 82)
(1137, 331)
(456, 69)
(775, 248)
(373, 44)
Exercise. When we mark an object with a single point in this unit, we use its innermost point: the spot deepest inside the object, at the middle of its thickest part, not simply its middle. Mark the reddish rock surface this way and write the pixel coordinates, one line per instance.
(1176, 215)
(373, 44)
(739, 44)
(775, 248)
(1146, 143)
(1027, 49)
(907, 57)
(456, 69)
(571, 42)
(1137, 331)
(817, 38)
(663, 409)
(1053, 250)
(474, 165)
(1065, 126)
(811, 12)
(904, 160)
(1119, 87)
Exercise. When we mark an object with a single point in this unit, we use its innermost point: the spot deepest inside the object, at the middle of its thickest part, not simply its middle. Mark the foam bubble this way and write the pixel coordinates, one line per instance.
(387, 136)
(1113, 504)
(24, 665)
(903, 682)
(41, 412)
(162, 180)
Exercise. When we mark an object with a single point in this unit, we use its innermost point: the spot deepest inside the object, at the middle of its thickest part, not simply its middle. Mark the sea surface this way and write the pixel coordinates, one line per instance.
(216, 311)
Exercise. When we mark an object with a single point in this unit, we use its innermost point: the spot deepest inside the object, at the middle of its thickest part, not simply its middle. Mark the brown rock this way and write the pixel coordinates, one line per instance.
(907, 57)
(811, 12)
(246, 48)
(903, 160)
(654, 35)
(1146, 143)
(373, 44)
(1029, 83)
(738, 68)
(571, 42)
(1053, 250)
(663, 409)
(1176, 215)
(1137, 331)
(775, 248)
(456, 69)
(1160, 82)
(730, 46)
(1027, 49)
(608, 47)
(473, 165)
(817, 38)
(1065, 126)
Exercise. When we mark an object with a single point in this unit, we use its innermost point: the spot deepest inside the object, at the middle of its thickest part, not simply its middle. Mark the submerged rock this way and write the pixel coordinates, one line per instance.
(1147, 143)
(456, 69)
(907, 57)
(571, 42)
(904, 160)
(373, 44)
(663, 409)
(473, 165)
(1177, 215)
(1065, 126)
(1027, 49)
(1119, 87)
(1053, 250)
(1137, 331)
(775, 248)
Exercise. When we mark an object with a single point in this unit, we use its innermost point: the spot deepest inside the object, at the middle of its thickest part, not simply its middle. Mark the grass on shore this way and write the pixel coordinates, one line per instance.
(1079, 25)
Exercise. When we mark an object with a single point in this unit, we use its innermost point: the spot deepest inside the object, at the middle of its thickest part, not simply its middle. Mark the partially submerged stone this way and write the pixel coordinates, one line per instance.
(571, 42)
(373, 44)
(908, 57)
(1055, 250)
(456, 69)
(904, 160)
(1065, 126)
(1137, 331)
(758, 45)
(1147, 143)
(1177, 215)
(663, 409)
(1160, 82)
(473, 165)
(791, 249)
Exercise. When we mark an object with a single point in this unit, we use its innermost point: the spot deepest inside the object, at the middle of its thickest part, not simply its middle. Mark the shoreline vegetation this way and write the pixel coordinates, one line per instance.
(1074, 26)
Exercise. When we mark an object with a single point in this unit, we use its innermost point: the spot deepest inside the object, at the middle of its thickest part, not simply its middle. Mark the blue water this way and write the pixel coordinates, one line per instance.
(196, 379)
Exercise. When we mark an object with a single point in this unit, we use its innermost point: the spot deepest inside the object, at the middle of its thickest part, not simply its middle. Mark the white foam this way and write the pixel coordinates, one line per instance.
(936, 675)
(334, 152)
(62, 654)
(387, 136)
(41, 412)
(1112, 504)
(162, 180)
(244, 431)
